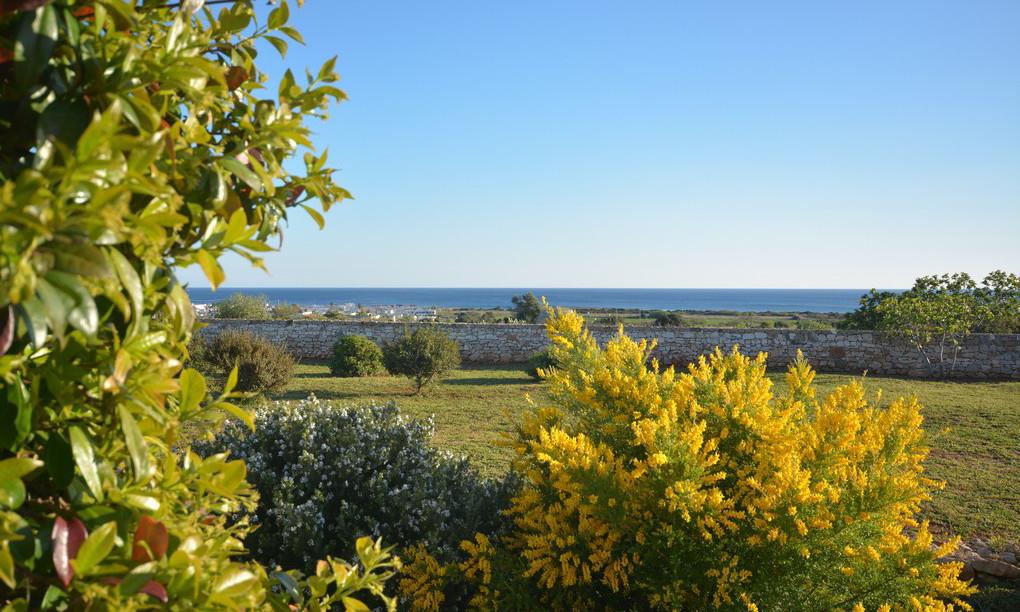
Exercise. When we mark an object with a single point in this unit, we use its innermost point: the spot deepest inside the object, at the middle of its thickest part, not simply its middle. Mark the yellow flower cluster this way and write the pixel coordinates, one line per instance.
(708, 489)
(423, 580)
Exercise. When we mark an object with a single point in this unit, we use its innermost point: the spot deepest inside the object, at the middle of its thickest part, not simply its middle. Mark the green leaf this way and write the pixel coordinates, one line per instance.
(241, 171)
(231, 381)
(81, 313)
(245, 416)
(236, 18)
(100, 130)
(235, 581)
(85, 459)
(6, 566)
(315, 215)
(211, 267)
(131, 283)
(95, 548)
(59, 460)
(354, 605)
(292, 34)
(16, 467)
(33, 45)
(238, 224)
(279, 16)
(80, 258)
(12, 493)
(64, 120)
(15, 414)
(142, 502)
(193, 390)
(289, 585)
(33, 314)
(137, 447)
(56, 305)
(137, 577)
(54, 597)
(279, 43)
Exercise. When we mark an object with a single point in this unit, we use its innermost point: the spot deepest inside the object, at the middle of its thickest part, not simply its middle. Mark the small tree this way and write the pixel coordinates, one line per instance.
(422, 355)
(612, 319)
(286, 311)
(999, 300)
(242, 306)
(356, 356)
(935, 325)
(262, 366)
(527, 307)
(668, 319)
(867, 316)
(995, 302)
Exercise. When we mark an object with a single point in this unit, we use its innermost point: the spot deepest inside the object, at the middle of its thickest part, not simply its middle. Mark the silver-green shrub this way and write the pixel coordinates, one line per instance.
(326, 474)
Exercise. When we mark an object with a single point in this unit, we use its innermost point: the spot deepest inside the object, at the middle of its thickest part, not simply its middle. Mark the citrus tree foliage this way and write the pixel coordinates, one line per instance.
(649, 489)
(138, 137)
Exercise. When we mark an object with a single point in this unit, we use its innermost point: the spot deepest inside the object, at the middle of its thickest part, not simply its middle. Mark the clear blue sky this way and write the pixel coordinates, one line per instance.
(661, 144)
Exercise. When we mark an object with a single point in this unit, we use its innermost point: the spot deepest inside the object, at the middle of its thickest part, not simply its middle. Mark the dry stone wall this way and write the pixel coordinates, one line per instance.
(983, 356)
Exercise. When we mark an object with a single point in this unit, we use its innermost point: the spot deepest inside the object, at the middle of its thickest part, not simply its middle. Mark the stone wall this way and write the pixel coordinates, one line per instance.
(984, 356)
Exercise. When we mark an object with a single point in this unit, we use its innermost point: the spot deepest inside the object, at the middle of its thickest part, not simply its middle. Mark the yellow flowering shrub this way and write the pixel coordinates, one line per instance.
(707, 489)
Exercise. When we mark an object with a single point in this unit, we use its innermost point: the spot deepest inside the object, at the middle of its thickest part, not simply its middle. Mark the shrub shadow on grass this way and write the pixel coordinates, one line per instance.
(325, 374)
(523, 379)
(351, 397)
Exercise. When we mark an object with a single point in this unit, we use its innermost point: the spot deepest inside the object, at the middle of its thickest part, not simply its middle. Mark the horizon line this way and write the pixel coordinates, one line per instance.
(536, 288)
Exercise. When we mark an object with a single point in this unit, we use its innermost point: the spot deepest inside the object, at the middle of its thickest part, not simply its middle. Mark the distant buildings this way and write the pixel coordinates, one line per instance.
(400, 312)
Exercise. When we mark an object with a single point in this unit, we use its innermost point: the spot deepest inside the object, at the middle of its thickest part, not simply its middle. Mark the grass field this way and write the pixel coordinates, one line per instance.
(978, 457)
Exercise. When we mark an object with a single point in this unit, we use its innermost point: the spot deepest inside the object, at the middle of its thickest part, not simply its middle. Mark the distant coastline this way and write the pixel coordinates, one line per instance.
(737, 300)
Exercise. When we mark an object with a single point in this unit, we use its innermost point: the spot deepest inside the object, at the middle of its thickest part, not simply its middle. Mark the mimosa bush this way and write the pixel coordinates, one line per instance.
(708, 489)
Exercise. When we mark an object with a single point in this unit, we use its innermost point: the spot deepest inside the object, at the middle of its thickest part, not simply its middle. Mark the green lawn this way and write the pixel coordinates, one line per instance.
(978, 457)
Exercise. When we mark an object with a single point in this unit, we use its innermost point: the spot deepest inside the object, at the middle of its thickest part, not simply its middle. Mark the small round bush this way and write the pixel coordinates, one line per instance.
(286, 311)
(668, 319)
(541, 360)
(327, 474)
(356, 356)
(242, 306)
(422, 355)
(262, 366)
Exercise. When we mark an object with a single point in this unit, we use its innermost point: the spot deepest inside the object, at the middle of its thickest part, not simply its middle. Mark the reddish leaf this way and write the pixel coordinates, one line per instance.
(236, 76)
(295, 194)
(155, 589)
(7, 324)
(6, 55)
(84, 12)
(153, 533)
(67, 538)
(13, 6)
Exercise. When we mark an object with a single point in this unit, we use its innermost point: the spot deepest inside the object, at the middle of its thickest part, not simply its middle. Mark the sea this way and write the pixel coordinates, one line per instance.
(742, 300)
